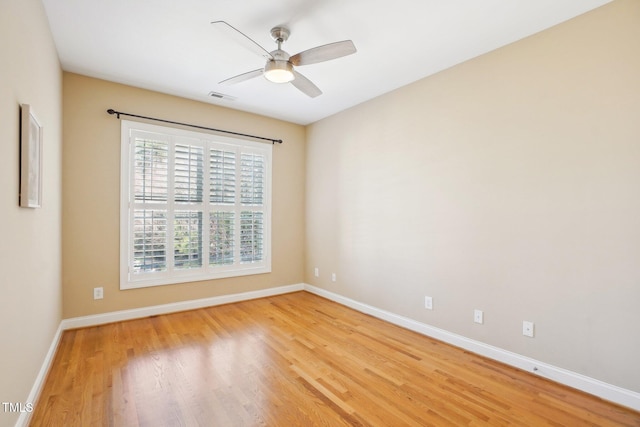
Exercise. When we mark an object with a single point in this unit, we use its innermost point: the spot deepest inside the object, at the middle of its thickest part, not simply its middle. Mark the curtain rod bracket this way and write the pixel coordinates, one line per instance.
(118, 113)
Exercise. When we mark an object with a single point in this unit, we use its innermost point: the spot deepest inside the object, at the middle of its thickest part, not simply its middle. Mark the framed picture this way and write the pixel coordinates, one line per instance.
(30, 158)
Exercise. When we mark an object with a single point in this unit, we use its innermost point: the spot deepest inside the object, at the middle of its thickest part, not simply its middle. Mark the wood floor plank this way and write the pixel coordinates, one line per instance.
(294, 360)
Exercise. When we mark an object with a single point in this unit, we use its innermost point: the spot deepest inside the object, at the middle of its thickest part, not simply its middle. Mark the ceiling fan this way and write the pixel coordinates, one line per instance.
(279, 67)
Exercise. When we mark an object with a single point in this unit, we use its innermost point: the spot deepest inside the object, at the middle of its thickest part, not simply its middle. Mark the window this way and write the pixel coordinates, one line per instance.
(194, 206)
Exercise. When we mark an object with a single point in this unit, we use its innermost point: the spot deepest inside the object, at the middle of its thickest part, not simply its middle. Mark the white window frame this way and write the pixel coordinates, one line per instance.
(130, 280)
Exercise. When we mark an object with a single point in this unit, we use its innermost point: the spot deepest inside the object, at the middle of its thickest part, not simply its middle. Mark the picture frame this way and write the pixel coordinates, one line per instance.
(30, 158)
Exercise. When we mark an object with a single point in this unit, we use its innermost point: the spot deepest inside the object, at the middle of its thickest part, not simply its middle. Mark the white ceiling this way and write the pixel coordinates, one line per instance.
(170, 46)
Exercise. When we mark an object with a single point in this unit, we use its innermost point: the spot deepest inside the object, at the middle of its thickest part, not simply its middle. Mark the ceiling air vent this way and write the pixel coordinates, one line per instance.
(218, 95)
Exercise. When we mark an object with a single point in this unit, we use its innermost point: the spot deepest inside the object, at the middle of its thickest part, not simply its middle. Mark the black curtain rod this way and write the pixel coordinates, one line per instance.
(120, 113)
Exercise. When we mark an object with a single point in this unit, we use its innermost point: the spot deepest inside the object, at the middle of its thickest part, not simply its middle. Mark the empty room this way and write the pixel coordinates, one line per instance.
(301, 213)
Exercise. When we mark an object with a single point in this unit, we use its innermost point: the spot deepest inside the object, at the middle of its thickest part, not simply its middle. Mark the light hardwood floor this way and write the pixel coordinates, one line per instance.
(293, 360)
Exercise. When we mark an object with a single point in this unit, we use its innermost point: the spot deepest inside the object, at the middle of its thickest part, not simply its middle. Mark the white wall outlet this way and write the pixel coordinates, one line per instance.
(333, 277)
(527, 329)
(478, 316)
(428, 303)
(316, 272)
(98, 293)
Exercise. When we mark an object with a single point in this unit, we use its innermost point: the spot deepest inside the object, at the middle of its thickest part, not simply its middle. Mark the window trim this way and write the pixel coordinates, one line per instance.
(206, 272)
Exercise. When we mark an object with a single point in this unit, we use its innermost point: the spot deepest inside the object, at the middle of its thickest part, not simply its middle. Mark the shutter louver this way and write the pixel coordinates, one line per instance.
(150, 170)
(251, 236)
(188, 176)
(221, 238)
(252, 179)
(187, 244)
(149, 240)
(222, 167)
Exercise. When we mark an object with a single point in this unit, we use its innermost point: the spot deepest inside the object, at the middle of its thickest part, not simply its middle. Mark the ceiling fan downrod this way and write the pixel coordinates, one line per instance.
(279, 69)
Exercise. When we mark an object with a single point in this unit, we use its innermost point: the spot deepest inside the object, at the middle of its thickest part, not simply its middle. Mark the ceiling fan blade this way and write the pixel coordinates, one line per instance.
(242, 77)
(241, 38)
(324, 53)
(305, 85)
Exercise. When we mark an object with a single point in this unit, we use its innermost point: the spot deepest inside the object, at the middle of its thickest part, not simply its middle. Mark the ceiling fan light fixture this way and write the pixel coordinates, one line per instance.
(277, 71)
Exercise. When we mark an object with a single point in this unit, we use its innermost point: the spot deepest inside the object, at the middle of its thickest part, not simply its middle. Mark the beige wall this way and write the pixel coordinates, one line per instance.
(91, 183)
(30, 289)
(510, 184)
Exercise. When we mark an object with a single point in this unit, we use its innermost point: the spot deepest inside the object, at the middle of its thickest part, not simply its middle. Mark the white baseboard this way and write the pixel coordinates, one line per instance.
(598, 388)
(137, 313)
(24, 418)
(612, 393)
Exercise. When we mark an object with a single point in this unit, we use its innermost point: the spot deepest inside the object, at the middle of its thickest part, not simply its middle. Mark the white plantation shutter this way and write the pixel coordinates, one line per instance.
(149, 240)
(187, 239)
(252, 179)
(222, 238)
(222, 178)
(193, 206)
(188, 181)
(251, 236)
(149, 233)
(252, 200)
(151, 167)
(188, 178)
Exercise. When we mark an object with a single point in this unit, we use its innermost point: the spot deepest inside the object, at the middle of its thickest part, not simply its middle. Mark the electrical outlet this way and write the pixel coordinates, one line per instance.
(527, 329)
(316, 272)
(428, 303)
(478, 316)
(98, 293)
(333, 277)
